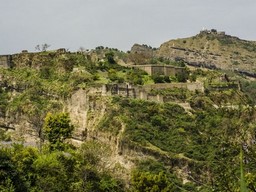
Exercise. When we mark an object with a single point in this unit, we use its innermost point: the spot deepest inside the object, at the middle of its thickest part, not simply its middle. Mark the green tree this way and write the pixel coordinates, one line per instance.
(50, 173)
(135, 76)
(192, 77)
(113, 76)
(148, 182)
(10, 178)
(57, 128)
(110, 57)
(161, 79)
(182, 76)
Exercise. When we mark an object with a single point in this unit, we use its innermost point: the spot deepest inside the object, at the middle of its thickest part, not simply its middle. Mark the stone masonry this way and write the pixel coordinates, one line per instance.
(160, 69)
(5, 61)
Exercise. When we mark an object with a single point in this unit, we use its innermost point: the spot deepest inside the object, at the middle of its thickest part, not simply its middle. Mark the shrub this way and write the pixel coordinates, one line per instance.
(161, 79)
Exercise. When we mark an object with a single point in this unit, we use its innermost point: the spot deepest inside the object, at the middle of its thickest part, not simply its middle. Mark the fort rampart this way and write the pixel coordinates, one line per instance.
(167, 70)
(143, 92)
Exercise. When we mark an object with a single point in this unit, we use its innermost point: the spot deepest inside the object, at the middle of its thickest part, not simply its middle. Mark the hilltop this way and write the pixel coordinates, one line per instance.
(214, 48)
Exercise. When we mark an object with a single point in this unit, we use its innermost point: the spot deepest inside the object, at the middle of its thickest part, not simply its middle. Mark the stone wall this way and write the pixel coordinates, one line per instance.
(189, 86)
(160, 69)
(143, 92)
(5, 61)
(172, 71)
(124, 90)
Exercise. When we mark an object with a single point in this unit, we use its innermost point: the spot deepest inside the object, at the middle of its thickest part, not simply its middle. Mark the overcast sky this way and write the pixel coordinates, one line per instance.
(117, 23)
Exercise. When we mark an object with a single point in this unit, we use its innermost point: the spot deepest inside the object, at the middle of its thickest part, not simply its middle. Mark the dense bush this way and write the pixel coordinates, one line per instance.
(161, 79)
(135, 76)
(182, 76)
(25, 169)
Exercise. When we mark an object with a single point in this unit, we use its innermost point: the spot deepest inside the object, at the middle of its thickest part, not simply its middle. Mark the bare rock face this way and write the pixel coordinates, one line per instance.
(142, 54)
(86, 109)
(142, 49)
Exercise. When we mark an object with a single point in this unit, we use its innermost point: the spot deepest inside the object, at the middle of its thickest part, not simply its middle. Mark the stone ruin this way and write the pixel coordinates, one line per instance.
(5, 61)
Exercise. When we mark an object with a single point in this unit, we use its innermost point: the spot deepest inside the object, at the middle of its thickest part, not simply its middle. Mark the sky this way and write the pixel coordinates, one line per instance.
(72, 24)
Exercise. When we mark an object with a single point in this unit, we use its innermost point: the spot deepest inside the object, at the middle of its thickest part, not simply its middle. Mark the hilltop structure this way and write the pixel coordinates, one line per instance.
(5, 61)
(212, 31)
(166, 70)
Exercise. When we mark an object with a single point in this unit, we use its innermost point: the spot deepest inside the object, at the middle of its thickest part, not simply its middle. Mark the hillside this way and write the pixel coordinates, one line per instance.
(95, 121)
(212, 48)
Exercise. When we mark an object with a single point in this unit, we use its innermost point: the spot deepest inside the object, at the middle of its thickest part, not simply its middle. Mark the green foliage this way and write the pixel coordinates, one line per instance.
(3, 101)
(4, 136)
(135, 76)
(192, 77)
(10, 178)
(162, 61)
(154, 61)
(57, 128)
(208, 140)
(25, 169)
(249, 46)
(110, 57)
(47, 167)
(225, 40)
(250, 181)
(174, 94)
(243, 187)
(182, 76)
(151, 166)
(46, 72)
(109, 184)
(148, 182)
(52, 70)
(151, 175)
(113, 76)
(161, 79)
(200, 103)
(153, 123)
(93, 152)
(106, 66)
(249, 88)
(113, 122)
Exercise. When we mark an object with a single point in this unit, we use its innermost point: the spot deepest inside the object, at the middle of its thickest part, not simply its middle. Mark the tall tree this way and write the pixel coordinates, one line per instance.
(57, 128)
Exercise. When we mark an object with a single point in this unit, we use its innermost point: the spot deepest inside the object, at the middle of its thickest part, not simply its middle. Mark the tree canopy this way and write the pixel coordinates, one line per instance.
(57, 128)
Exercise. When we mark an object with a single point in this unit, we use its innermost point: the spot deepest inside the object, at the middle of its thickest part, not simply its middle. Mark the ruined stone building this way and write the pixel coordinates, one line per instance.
(167, 70)
(5, 61)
